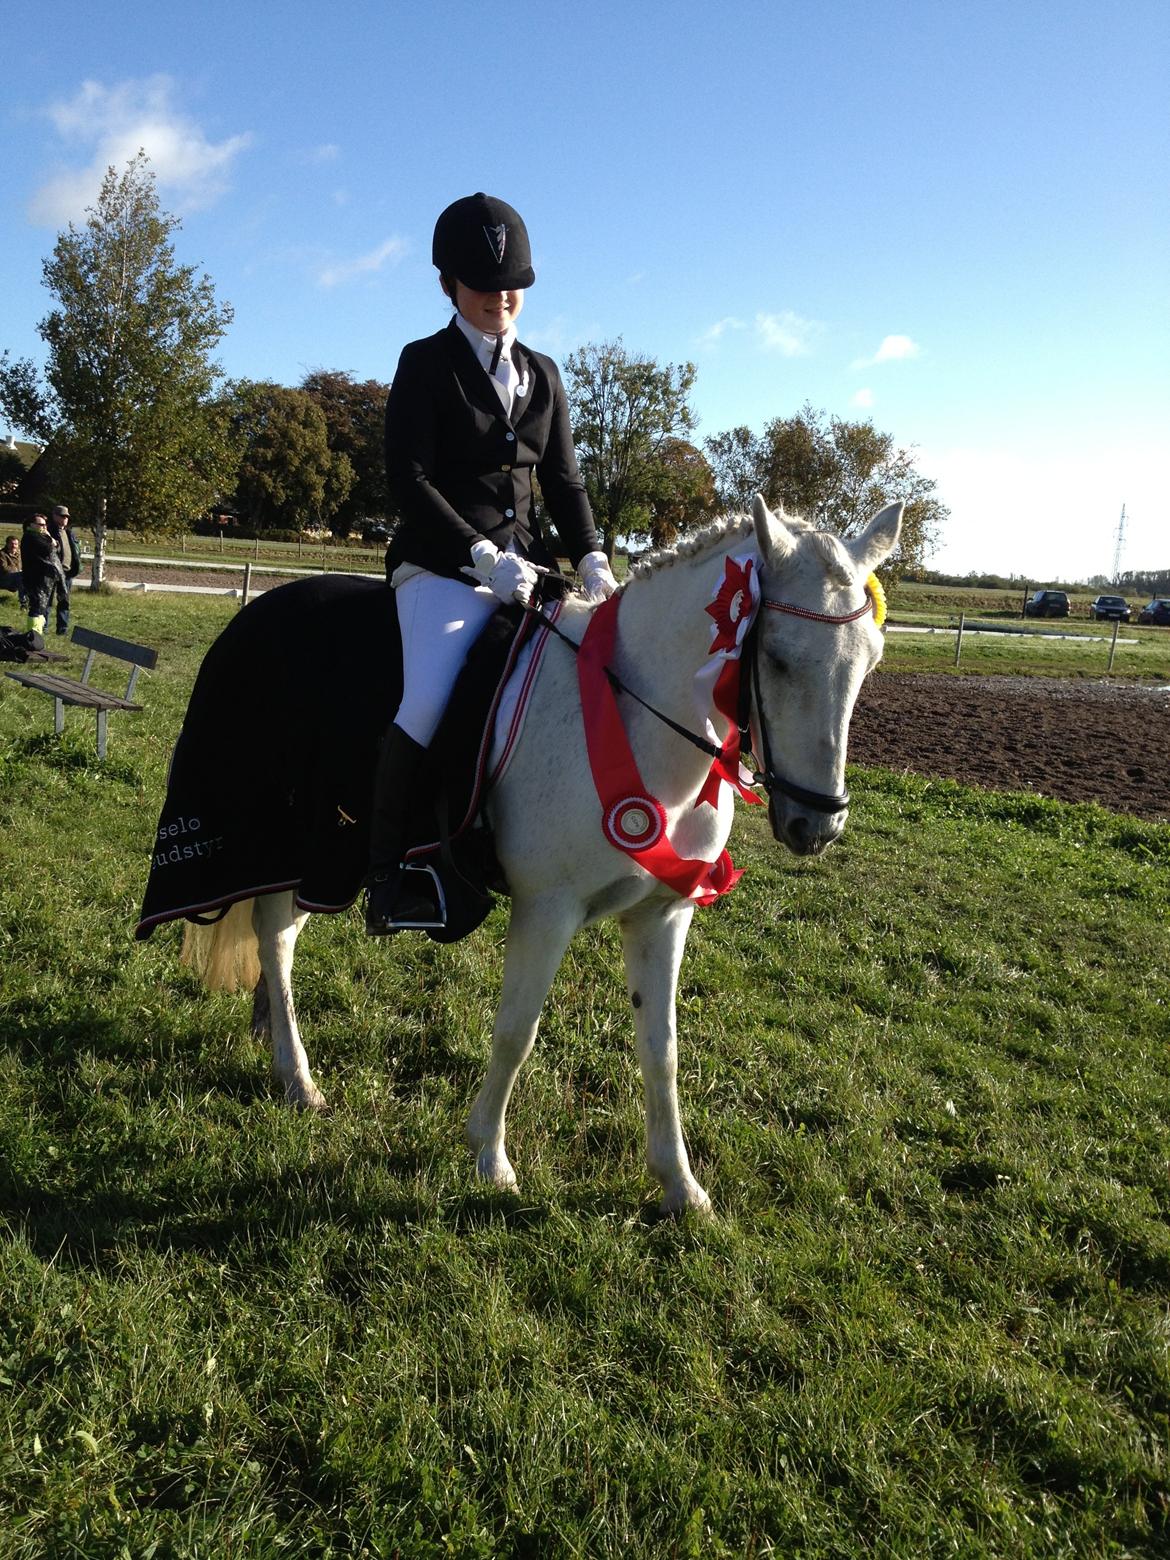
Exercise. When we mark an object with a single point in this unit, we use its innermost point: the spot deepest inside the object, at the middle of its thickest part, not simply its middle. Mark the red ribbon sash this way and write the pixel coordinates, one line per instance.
(631, 819)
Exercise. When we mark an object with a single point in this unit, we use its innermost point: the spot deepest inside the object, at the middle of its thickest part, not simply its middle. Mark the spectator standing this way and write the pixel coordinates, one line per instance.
(10, 575)
(69, 554)
(42, 572)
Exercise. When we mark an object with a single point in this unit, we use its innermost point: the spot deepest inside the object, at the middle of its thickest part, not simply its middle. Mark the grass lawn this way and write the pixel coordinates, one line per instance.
(925, 1080)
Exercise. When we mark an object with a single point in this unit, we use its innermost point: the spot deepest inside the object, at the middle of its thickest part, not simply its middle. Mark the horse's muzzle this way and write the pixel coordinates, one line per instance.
(803, 831)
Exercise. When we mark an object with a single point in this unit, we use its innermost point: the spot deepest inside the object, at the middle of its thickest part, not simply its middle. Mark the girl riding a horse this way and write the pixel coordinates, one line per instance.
(472, 412)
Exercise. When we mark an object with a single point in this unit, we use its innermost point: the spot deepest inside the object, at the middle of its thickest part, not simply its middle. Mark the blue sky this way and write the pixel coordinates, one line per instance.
(949, 217)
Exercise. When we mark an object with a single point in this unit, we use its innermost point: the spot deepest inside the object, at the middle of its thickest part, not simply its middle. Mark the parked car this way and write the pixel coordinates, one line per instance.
(1156, 611)
(1110, 607)
(1047, 603)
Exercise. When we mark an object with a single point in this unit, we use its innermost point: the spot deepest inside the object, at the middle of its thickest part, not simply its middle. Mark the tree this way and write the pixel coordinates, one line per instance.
(624, 409)
(138, 432)
(833, 473)
(684, 494)
(736, 459)
(288, 476)
(354, 416)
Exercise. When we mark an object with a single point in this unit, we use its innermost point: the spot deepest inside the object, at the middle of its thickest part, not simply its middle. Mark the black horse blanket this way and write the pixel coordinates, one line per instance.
(272, 775)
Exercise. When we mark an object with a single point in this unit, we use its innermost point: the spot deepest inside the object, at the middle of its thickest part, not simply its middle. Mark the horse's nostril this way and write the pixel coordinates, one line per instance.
(799, 832)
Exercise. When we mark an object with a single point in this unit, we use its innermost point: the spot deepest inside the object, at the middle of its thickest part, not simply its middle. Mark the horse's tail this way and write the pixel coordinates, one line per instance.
(226, 955)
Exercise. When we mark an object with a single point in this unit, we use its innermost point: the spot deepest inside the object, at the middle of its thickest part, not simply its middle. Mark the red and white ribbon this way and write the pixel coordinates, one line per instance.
(633, 820)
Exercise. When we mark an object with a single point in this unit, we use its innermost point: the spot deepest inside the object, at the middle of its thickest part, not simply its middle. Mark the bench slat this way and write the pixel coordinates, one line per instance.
(71, 692)
(124, 649)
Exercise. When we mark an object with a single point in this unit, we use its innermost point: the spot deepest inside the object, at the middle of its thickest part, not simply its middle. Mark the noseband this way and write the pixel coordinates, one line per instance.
(768, 777)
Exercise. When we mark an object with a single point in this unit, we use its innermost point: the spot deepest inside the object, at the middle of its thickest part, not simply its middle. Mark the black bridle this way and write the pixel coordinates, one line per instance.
(749, 687)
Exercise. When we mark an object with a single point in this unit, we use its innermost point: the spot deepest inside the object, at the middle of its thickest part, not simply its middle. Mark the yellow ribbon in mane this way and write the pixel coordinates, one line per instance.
(874, 586)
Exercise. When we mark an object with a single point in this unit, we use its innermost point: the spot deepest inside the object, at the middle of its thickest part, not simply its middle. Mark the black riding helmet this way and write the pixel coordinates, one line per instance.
(483, 243)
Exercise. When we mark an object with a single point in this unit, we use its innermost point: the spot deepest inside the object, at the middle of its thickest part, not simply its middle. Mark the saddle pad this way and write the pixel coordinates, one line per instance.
(272, 774)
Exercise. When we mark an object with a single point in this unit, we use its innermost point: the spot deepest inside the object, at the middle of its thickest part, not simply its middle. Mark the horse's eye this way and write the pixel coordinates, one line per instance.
(777, 663)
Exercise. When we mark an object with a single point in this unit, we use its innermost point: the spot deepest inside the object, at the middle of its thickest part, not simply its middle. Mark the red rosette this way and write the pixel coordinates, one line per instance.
(635, 823)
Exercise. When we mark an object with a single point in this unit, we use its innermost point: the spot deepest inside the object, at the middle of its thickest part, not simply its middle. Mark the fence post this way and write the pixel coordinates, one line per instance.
(959, 637)
(247, 583)
(1113, 646)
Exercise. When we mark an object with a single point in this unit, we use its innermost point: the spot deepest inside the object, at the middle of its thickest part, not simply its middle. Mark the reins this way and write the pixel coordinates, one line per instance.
(768, 777)
(619, 686)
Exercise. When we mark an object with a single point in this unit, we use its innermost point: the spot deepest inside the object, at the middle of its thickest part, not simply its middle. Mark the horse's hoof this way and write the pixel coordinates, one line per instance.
(496, 1170)
(688, 1198)
(310, 1099)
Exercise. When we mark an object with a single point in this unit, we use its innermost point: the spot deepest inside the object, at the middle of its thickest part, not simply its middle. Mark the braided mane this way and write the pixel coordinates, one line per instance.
(837, 562)
(702, 541)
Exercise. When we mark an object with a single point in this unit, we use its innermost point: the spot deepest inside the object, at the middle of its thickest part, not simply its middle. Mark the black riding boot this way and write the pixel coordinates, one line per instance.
(393, 902)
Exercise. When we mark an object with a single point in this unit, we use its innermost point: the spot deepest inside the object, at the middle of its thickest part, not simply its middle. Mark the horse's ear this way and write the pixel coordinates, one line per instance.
(773, 535)
(878, 540)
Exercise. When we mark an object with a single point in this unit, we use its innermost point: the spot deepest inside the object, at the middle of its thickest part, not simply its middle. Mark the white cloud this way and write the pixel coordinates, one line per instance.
(327, 153)
(389, 252)
(862, 397)
(894, 349)
(713, 332)
(786, 333)
(116, 123)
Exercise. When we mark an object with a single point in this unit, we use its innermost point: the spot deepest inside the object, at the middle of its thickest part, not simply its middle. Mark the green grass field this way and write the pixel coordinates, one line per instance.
(924, 1079)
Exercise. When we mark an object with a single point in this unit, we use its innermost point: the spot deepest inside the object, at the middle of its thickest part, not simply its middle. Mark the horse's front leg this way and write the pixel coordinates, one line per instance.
(538, 935)
(653, 937)
(277, 923)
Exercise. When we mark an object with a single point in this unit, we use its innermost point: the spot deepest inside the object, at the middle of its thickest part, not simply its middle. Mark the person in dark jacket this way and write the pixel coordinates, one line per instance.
(70, 555)
(471, 414)
(41, 569)
(11, 577)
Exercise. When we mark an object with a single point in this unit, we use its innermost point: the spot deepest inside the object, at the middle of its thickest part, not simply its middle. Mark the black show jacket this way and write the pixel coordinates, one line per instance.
(461, 469)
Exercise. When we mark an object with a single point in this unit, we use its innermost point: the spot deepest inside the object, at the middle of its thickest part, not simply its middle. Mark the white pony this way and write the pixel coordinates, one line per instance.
(817, 640)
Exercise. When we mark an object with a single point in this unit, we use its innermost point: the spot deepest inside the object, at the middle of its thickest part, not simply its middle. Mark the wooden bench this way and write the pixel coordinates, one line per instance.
(68, 690)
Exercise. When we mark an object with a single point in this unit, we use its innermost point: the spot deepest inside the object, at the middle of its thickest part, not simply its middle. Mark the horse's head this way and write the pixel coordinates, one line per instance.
(817, 640)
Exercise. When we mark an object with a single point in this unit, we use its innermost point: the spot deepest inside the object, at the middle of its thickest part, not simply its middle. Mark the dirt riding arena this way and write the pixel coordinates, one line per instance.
(1077, 741)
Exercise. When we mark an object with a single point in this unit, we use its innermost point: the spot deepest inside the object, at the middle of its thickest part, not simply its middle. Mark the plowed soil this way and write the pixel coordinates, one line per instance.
(1075, 741)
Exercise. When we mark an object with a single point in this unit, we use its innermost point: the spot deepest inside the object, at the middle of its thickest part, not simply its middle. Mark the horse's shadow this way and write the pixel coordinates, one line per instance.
(103, 1188)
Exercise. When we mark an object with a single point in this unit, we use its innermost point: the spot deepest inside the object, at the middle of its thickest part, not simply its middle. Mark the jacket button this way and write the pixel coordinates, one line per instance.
(505, 468)
(511, 438)
(509, 514)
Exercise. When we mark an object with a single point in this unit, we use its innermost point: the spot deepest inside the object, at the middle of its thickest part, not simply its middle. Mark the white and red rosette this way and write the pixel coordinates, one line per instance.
(635, 823)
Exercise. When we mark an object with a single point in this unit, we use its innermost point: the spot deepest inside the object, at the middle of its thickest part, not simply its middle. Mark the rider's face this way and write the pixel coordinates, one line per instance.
(491, 312)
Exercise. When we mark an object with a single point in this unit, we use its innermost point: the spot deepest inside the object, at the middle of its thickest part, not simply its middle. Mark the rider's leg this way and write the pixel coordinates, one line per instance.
(440, 619)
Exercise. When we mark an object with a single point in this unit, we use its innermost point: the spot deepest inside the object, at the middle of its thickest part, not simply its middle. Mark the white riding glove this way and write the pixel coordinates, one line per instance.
(596, 576)
(508, 576)
(514, 579)
(484, 557)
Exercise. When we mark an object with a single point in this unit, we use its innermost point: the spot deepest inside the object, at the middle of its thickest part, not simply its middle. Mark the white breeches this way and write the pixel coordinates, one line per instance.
(440, 620)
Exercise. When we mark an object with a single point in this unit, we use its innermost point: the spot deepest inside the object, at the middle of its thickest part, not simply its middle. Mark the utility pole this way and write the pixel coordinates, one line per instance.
(1118, 547)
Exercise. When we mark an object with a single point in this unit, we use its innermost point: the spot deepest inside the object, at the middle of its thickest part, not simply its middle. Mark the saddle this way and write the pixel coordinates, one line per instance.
(271, 778)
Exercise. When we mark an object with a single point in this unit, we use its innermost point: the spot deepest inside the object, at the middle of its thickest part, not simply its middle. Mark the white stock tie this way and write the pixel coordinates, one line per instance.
(503, 375)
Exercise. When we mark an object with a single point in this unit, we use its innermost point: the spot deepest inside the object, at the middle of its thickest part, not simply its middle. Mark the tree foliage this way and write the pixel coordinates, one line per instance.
(625, 410)
(129, 400)
(684, 495)
(288, 476)
(832, 472)
(354, 415)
